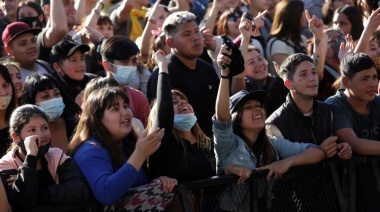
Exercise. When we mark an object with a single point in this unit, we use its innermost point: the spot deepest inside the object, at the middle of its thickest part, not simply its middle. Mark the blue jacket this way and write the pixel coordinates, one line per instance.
(108, 183)
(230, 149)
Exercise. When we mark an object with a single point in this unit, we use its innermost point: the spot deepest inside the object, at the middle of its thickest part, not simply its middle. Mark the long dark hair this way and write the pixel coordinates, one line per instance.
(286, 22)
(40, 82)
(90, 125)
(262, 148)
(12, 105)
(355, 18)
(36, 7)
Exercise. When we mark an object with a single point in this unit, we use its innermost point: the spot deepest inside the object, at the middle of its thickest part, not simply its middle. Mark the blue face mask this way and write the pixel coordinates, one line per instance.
(184, 122)
(53, 108)
(124, 75)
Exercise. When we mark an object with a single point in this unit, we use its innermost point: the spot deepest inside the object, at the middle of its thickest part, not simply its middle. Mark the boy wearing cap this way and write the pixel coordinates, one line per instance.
(67, 59)
(357, 120)
(192, 76)
(21, 44)
(119, 55)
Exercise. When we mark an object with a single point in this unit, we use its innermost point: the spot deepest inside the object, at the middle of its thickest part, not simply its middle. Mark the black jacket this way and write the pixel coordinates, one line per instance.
(297, 127)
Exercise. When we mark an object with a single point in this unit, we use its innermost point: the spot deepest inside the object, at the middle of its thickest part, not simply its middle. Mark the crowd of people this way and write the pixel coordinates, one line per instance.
(101, 96)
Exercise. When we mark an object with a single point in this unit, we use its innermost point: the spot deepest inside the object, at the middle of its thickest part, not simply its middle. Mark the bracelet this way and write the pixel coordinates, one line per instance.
(224, 77)
(101, 3)
(96, 11)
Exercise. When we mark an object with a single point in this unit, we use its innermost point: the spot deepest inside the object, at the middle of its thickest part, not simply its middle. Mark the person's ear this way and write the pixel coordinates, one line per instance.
(169, 42)
(58, 69)
(288, 84)
(47, 9)
(346, 82)
(106, 65)
(8, 50)
(41, 17)
(16, 138)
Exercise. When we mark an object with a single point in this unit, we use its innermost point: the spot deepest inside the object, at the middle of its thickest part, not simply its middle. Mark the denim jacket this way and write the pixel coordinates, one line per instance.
(230, 149)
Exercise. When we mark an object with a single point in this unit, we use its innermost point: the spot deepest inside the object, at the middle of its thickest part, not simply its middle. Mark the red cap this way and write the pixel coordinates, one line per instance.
(15, 29)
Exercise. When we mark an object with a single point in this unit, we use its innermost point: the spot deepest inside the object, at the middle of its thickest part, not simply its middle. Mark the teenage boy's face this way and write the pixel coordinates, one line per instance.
(187, 40)
(363, 85)
(24, 49)
(74, 66)
(305, 80)
(131, 61)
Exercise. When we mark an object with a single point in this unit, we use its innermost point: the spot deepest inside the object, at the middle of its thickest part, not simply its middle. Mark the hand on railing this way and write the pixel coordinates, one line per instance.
(240, 171)
(344, 151)
(168, 183)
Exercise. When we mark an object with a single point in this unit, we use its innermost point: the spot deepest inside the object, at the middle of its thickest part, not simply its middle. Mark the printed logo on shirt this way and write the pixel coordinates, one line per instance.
(210, 87)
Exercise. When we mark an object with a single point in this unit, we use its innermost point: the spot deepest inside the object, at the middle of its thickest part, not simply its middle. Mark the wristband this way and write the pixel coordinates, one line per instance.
(96, 11)
(101, 3)
(224, 77)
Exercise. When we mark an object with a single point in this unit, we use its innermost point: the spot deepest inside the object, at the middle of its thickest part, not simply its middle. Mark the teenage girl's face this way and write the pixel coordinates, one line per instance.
(15, 75)
(105, 29)
(117, 119)
(47, 95)
(36, 126)
(256, 66)
(253, 117)
(233, 22)
(5, 87)
(181, 106)
(341, 21)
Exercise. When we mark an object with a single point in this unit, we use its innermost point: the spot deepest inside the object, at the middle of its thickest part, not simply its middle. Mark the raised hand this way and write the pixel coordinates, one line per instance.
(147, 144)
(31, 144)
(258, 23)
(346, 48)
(223, 58)
(159, 58)
(316, 25)
(245, 26)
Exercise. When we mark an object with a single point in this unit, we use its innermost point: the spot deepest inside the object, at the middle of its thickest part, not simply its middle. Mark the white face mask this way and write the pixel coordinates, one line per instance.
(124, 75)
(4, 101)
(53, 108)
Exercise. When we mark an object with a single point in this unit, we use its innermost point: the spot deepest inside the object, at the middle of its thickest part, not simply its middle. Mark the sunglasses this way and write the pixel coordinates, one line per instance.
(233, 18)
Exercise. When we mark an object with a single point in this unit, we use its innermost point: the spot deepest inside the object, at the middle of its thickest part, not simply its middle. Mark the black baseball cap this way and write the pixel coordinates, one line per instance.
(241, 97)
(65, 49)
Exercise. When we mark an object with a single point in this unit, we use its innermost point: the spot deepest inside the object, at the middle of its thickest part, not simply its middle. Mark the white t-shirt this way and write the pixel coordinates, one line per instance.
(25, 73)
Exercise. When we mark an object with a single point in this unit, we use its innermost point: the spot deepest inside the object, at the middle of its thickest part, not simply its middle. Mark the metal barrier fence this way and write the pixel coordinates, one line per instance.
(332, 185)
